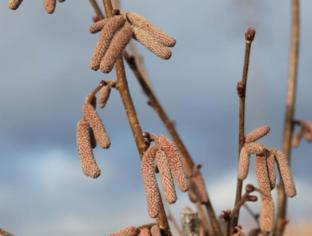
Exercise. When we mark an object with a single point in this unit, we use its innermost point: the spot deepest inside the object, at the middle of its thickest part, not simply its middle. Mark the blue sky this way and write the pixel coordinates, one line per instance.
(45, 77)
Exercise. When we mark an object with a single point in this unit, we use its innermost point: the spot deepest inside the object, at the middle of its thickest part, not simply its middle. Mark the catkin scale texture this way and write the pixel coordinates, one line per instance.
(150, 183)
(155, 231)
(285, 173)
(256, 134)
(270, 161)
(267, 210)
(148, 41)
(105, 37)
(14, 4)
(128, 231)
(175, 162)
(156, 33)
(97, 26)
(96, 124)
(144, 232)
(49, 6)
(254, 148)
(243, 164)
(88, 163)
(117, 45)
(104, 96)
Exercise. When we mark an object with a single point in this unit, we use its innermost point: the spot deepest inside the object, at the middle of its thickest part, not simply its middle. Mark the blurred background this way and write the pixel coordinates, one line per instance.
(45, 77)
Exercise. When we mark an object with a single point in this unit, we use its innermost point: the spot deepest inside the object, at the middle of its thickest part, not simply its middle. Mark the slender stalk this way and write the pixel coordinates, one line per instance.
(96, 8)
(290, 109)
(189, 163)
(122, 86)
(252, 214)
(241, 90)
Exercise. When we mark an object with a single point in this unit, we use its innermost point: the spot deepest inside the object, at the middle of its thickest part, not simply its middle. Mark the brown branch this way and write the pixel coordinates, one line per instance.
(96, 8)
(122, 86)
(290, 110)
(241, 90)
(5, 233)
(189, 163)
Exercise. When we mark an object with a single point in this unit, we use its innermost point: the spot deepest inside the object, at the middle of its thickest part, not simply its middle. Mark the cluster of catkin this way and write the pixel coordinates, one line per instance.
(117, 31)
(165, 157)
(197, 190)
(91, 131)
(265, 173)
(146, 230)
(304, 131)
(49, 5)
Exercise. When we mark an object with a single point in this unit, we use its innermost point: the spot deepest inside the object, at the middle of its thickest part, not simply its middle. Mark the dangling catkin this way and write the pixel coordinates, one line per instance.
(297, 137)
(14, 4)
(144, 24)
(199, 183)
(117, 45)
(256, 134)
(97, 26)
(106, 35)
(270, 161)
(128, 231)
(155, 231)
(104, 95)
(285, 173)
(165, 176)
(49, 6)
(148, 41)
(96, 124)
(88, 163)
(267, 210)
(175, 162)
(254, 148)
(150, 182)
(144, 232)
(243, 165)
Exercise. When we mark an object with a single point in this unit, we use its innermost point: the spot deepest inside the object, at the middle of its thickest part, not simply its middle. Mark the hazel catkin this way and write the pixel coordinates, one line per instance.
(104, 95)
(14, 4)
(254, 148)
(270, 161)
(97, 26)
(144, 232)
(155, 231)
(128, 231)
(49, 6)
(256, 134)
(243, 165)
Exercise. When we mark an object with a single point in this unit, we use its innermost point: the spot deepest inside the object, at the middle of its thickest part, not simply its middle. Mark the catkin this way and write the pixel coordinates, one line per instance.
(200, 188)
(285, 173)
(254, 148)
(155, 231)
(128, 231)
(144, 232)
(106, 35)
(297, 137)
(97, 26)
(144, 24)
(270, 161)
(243, 165)
(88, 163)
(49, 6)
(307, 136)
(96, 124)
(256, 134)
(148, 41)
(14, 4)
(117, 45)
(175, 162)
(165, 176)
(267, 210)
(104, 95)
(150, 182)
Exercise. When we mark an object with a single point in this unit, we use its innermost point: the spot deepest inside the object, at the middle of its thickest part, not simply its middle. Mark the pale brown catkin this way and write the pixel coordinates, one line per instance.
(97, 125)
(155, 231)
(296, 139)
(14, 4)
(307, 136)
(97, 26)
(267, 210)
(285, 173)
(105, 37)
(256, 134)
(148, 41)
(270, 161)
(199, 183)
(165, 176)
(243, 165)
(144, 232)
(175, 162)
(88, 163)
(117, 45)
(104, 95)
(128, 231)
(49, 6)
(254, 148)
(142, 23)
(150, 183)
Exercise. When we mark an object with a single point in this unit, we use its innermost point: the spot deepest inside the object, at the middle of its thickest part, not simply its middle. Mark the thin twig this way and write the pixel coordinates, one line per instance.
(4, 233)
(122, 86)
(241, 90)
(290, 109)
(252, 214)
(96, 8)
